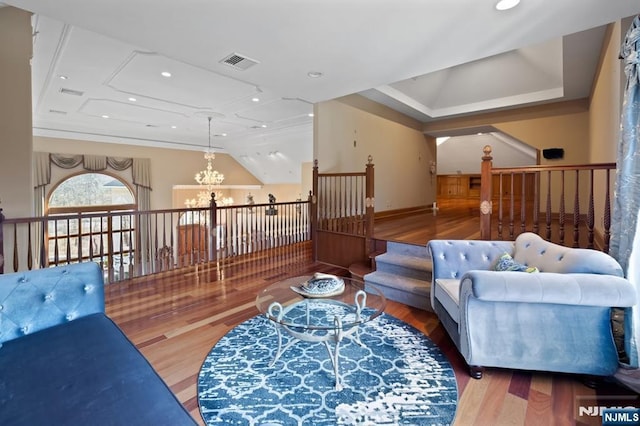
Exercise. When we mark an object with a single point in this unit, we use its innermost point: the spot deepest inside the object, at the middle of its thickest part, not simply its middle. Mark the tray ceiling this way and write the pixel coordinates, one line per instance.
(428, 59)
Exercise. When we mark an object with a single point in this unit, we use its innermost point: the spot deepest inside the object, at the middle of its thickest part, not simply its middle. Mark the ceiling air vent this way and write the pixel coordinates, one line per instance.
(238, 61)
(71, 92)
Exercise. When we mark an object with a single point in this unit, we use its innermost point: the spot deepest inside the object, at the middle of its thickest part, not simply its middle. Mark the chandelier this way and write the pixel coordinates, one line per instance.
(208, 179)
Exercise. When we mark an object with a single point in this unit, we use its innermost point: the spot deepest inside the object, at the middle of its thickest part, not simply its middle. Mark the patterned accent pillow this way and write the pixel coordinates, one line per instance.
(507, 263)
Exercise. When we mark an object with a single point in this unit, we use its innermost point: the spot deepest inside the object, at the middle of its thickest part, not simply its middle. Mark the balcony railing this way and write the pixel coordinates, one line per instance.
(129, 244)
(567, 204)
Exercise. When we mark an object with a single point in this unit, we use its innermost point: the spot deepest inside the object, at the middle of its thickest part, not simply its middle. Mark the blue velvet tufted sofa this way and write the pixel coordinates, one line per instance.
(64, 362)
(555, 320)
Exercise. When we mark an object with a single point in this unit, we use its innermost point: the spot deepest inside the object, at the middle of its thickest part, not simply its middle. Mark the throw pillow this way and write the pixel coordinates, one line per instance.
(507, 263)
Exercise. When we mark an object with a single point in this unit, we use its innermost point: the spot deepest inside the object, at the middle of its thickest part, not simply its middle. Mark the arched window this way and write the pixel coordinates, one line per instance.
(91, 192)
(91, 219)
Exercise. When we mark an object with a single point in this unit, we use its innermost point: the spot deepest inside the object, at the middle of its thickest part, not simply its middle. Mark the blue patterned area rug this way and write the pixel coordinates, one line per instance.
(399, 377)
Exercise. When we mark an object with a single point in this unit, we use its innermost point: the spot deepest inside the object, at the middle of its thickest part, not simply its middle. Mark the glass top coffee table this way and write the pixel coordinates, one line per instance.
(317, 318)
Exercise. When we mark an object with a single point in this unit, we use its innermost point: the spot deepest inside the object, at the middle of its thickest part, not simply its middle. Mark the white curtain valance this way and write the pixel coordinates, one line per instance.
(94, 163)
(119, 163)
(41, 169)
(141, 172)
(141, 167)
(65, 161)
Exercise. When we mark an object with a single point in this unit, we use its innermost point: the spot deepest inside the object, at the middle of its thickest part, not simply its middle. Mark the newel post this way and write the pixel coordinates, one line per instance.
(213, 228)
(369, 204)
(313, 211)
(486, 205)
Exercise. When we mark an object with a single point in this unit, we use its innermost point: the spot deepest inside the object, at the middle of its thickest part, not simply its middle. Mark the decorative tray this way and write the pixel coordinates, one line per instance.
(320, 285)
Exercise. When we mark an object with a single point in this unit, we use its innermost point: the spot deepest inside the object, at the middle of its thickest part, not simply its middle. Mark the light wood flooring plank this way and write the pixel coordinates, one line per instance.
(470, 402)
(539, 407)
(513, 411)
(493, 400)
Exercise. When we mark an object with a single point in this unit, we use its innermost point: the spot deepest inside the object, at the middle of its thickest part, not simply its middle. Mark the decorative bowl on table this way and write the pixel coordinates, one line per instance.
(320, 285)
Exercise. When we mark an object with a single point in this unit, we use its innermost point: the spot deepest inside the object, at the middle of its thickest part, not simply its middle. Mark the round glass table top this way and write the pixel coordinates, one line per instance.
(282, 303)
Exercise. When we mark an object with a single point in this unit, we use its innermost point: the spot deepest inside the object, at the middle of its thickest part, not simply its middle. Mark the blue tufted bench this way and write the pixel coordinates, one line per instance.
(556, 320)
(64, 362)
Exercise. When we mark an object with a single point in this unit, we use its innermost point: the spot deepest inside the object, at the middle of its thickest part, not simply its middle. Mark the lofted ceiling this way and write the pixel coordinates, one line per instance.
(253, 66)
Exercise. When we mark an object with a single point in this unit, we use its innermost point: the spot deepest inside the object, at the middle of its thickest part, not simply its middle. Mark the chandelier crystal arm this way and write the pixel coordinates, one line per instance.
(208, 178)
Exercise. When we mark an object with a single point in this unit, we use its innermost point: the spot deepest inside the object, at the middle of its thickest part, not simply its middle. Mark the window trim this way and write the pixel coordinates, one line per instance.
(88, 209)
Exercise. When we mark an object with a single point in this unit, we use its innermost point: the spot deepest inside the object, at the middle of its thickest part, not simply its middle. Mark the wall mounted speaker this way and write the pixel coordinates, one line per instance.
(553, 153)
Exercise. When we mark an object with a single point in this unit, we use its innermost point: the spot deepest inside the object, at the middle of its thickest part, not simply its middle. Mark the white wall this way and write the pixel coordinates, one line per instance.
(345, 136)
(16, 185)
(463, 154)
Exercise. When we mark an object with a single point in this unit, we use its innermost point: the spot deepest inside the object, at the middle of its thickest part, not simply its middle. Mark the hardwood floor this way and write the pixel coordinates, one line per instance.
(455, 219)
(176, 319)
(460, 219)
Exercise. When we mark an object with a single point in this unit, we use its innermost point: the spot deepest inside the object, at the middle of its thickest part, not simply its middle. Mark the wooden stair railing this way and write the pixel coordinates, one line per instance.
(342, 215)
(512, 198)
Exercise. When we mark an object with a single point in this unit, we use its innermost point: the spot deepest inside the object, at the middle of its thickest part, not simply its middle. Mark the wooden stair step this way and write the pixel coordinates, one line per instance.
(359, 269)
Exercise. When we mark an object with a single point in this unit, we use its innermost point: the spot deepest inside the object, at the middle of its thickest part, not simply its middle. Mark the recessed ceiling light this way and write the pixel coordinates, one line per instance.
(263, 126)
(310, 114)
(174, 127)
(507, 4)
(132, 99)
(255, 99)
(63, 77)
(165, 74)
(105, 116)
(224, 134)
(314, 74)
